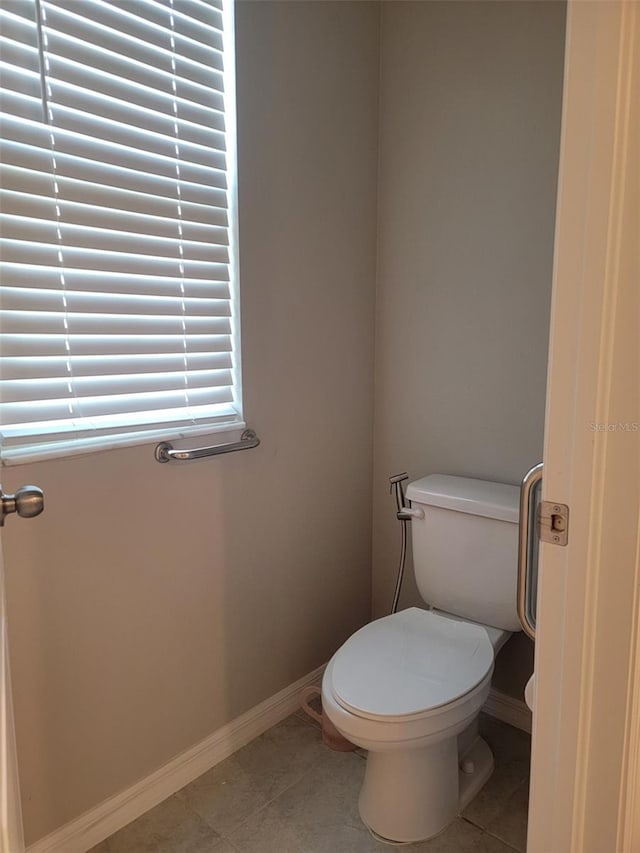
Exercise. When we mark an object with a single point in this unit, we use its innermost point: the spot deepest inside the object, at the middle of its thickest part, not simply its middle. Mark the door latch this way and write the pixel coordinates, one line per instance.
(553, 523)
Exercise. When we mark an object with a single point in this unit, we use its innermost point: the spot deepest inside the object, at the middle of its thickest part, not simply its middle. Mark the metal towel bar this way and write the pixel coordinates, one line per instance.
(165, 452)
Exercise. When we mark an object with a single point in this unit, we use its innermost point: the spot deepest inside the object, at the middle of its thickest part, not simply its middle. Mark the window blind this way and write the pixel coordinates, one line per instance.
(118, 303)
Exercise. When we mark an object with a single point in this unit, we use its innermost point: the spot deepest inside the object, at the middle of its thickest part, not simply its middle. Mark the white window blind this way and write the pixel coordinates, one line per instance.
(117, 223)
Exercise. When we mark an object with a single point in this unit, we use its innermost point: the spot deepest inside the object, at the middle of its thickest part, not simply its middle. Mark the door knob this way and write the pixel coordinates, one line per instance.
(27, 502)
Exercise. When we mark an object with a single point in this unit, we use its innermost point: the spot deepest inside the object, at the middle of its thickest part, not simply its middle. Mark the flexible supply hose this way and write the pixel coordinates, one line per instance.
(396, 484)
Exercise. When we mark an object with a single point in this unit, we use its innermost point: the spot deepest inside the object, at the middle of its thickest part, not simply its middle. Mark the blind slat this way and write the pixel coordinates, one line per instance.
(25, 345)
(95, 406)
(99, 281)
(47, 299)
(53, 367)
(49, 389)
(70, 323)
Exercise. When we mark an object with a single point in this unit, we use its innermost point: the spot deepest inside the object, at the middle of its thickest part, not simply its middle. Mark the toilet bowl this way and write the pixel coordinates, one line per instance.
(409, 688)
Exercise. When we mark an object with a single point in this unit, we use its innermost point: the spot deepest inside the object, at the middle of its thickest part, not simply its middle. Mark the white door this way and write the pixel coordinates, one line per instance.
(586, 713)
(11, 839)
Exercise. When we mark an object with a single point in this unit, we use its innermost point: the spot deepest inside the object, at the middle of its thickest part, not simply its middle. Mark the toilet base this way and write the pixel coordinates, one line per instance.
(412, 795)
(470, 783)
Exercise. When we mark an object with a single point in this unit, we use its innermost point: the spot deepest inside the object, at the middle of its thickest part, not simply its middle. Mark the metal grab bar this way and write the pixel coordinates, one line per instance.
(524, 614)
(165, 452)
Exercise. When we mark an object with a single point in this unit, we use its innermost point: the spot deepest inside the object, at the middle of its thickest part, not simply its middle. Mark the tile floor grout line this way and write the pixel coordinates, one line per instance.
(300, 714)
(185, 802)
(230, 843)
(502, 841)
(226, 835)
(472, 822)
(492, 834)
(273, 800)
(268, 803)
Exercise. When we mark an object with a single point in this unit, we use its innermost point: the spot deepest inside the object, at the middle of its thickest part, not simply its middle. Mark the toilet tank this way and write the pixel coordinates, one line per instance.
(465, 549)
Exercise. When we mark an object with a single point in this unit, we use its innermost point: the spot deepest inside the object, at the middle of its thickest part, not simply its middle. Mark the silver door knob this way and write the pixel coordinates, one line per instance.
(27, 502)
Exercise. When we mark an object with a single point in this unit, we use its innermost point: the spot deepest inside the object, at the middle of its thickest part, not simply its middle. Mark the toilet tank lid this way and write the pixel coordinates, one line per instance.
(463, 494)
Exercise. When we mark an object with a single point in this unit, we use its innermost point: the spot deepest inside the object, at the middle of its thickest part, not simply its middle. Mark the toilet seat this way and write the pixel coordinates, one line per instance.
(409, 665)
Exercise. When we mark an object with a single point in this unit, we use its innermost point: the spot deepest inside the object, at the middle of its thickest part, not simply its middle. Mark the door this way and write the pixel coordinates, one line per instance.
(586, 720)
(26, 502)
(11, 840)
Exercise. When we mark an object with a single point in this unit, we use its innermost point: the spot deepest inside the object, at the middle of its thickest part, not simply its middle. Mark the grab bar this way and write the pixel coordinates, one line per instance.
(165, 452)
(524, 585)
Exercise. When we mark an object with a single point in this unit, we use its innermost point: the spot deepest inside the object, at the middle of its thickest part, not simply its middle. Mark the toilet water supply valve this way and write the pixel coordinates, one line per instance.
(403, 514)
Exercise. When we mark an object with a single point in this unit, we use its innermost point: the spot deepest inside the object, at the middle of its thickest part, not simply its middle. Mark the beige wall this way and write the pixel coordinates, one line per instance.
(152, 603)
(469, 132)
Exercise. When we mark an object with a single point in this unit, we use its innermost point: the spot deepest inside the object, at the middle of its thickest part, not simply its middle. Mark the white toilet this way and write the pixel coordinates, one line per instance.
(409, 687)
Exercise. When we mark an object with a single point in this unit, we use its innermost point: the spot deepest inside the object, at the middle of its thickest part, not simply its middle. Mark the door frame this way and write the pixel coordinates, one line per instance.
(585, 779)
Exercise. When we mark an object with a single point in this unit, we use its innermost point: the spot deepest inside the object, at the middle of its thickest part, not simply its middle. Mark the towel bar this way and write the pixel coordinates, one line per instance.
(165, 452)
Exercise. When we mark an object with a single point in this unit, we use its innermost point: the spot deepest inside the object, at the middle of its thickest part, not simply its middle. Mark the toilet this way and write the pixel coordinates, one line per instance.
(409, 687)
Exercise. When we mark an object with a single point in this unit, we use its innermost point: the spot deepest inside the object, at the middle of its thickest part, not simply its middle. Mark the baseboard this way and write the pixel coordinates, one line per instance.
(99, 823)
(509, 710)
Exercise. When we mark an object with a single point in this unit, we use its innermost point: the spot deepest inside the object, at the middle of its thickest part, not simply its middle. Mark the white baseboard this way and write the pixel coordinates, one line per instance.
(508, 709)
(100, 822)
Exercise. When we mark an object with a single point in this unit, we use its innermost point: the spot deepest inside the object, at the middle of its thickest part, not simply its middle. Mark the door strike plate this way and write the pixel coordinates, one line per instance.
(553, 523)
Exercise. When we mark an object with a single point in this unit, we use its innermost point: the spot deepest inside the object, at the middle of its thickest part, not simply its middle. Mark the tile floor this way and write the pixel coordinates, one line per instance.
(287, 793)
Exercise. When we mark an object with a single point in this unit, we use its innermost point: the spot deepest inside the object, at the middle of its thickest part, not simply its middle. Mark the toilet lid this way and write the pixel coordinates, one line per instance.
(409, 663)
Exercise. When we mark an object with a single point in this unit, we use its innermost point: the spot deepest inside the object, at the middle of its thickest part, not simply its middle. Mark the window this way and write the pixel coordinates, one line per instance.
(118, 272)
